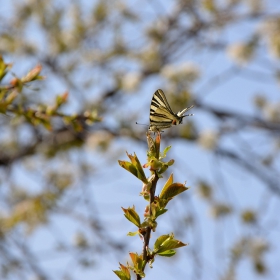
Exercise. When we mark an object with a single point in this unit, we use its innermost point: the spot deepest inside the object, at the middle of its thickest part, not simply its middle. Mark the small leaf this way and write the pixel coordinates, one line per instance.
(172, 190)
(124, 273)
(3, 68)
(170, 244)
(134, 167)
(125, 270)
(168, 253)
(133, 257)
(120, 274)
(166, 186)
(160, 240)
(61, 99)
(137, 263)
(167, 242)
(141, 174)
(165, 151)
(132, 216)
(133, 233)
(160, 212)
(163, 168)
(32, 74)
(129, 167)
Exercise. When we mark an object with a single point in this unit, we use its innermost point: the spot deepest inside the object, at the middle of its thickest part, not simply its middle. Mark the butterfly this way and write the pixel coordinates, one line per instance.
(161, 114)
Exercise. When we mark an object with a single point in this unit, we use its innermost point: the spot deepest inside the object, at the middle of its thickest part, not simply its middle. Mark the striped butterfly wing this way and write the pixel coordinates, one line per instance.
(161, 114)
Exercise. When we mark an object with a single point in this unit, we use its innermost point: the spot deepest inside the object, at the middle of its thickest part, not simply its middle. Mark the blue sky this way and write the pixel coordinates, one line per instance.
(111, 187)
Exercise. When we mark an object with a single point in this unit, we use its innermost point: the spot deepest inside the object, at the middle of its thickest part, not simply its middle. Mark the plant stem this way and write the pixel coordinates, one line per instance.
(147, 235)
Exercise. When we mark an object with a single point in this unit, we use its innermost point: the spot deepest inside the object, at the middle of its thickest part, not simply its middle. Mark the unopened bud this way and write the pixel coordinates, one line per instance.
(155, 164)
(171, 162)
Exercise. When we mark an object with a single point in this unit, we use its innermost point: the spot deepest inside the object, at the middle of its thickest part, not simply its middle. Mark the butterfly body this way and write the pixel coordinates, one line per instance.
(161, 114)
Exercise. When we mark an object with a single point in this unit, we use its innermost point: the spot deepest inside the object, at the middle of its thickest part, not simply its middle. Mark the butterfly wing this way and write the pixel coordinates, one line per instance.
(161, 114)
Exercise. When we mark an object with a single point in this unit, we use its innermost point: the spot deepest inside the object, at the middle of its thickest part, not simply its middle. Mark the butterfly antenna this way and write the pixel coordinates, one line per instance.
(142, 124)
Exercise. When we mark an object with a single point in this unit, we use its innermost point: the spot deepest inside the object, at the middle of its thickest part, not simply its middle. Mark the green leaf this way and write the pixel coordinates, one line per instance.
(135, 161)
(137, 264)
(133, 233)
(121, 275)
(134, 167)
(146, 223)
(3, 68)
(129, 167)
(160, 241)
(160, 212)
(132, 216)
(168, 253)
(170, 244)
(170, 191)
(163, 168)
(167, 242)
(124, 273)
(163, 155)
(133, 257)
(166, 186)
(61, 99)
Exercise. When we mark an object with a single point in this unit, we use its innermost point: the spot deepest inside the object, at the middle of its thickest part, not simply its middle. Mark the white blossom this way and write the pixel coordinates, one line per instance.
(272, 112)
(270, 30)
(208, 139)
(241, 53)
(131, 81)
(186, 71)
(98, 139)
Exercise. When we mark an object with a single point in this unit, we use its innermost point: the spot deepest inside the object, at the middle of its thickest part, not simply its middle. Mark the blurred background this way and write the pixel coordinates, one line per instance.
(61, 188)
